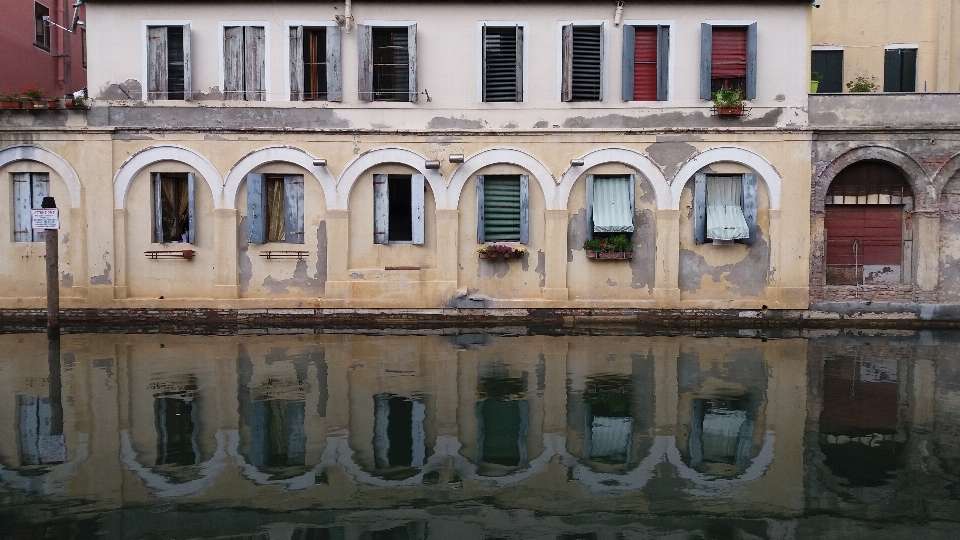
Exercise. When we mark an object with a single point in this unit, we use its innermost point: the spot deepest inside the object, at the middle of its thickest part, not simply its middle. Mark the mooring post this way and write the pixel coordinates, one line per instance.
(50, 237)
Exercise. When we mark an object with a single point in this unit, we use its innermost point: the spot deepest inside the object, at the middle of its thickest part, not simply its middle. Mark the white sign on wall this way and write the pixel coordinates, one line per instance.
(45, 218)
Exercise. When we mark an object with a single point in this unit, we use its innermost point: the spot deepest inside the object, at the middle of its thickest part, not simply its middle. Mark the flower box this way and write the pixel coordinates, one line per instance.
(729, 111)
(10, 105)
(500, 251)
(609, 255)
(514, 255)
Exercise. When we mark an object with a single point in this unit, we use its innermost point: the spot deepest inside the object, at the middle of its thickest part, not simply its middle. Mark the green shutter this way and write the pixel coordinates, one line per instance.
(501, 208)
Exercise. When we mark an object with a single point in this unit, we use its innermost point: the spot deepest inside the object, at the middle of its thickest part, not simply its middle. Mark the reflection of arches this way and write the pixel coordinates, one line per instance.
(382, 156)
(732, 154)
(148, 156)
(496, 156)
(708, 486)
(301, 481)
(163, 487)
(28, 152)
(630, 158)
(55, 479)
(635, 478)
(275, 154)
(912, 171)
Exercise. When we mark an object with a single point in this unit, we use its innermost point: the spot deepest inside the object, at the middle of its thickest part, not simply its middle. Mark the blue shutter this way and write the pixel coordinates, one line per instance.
(524, 209)
(589, 219)
(663, 63)
(626, 75)
(22, 221)
(334, 70)
(39, 188)
(365, 67)
(416, 207)
(706, 60)
(480, 218)
(256, 209)
(381, 209)
(700, 208)
(157, 208)
(191, 208)
(412, 62)
(750, 206)
(751, 92)
(293, 208)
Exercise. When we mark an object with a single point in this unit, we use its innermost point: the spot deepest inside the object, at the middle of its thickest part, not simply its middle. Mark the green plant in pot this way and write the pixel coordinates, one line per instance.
(815, 79)
(728, 102)
(617, 246)
(862, 84)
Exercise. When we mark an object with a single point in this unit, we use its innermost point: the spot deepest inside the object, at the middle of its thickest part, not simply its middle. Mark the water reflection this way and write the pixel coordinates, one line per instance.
(479, 436)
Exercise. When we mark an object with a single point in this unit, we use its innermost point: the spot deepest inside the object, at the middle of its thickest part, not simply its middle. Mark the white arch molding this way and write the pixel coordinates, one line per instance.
(497, 156)
(162, 486)
(275, 154)
(148, 156)
(625, 156)
(734, 154)
(29, 152)
(382, 156)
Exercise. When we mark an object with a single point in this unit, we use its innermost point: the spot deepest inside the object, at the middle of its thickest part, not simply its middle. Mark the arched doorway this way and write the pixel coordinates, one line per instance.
(867, 226)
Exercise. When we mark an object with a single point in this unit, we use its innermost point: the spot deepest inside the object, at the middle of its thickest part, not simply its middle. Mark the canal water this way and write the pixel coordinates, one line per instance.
(841, 434)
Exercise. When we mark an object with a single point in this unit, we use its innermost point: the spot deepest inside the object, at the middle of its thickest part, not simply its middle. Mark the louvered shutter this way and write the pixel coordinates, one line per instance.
(481, 237)
(254, 63)
(627, 61)
(365, 67)
(157, 62)
(750, 92)
(700, 208)
(334, 71)
(645, 64)
(381, 209)
(524, 209)
(256, 209)
(663, 63)
(502, 208)
(293, 208)
(233, 58)
(22, 203)
(502, 51)
(412, 62)
(191, 208)
(586, 59)
(749, 205)
(706, 58)
(296, 63)
(40, 188)
(187, 64)
(416, 207)
(157, 208)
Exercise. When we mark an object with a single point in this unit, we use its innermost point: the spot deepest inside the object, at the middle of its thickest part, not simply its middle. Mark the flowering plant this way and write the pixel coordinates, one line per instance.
(33, 92)
(501, 251)
(618, 242)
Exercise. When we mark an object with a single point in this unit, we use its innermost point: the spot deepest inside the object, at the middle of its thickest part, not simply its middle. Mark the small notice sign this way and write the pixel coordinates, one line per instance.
(45, 218)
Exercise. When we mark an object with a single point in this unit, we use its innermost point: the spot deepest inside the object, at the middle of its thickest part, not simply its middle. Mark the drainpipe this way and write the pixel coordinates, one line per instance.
(61, 49)
(348, 14)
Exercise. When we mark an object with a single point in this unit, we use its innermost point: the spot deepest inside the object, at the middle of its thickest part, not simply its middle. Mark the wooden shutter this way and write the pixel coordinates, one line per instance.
(293, 208)
(416, 207)
(706, 57)
(157, 208)
(645, 64)
(749, 205)
(412, 65)
(663, 63)
(334, 70)
(22, 203)
(191, 208)
(481, 236)
(381, 209)
(908, 70)
(750, 92)
(829, 64)
(233, 58)
(626, 68)
(157, 62)
(256, 209)
(502, 69)
(296, 63)
(700, 208)
(254, 63)
(586, 63)
(566, 83)
(524, 209)
(365, 67)
(39, 188)
(589, 220)
(187, 65)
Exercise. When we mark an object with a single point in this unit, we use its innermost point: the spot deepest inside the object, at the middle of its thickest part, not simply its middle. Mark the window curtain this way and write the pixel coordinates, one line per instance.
(176, 199)
(276, 219)
(725, 219)
(611, 205)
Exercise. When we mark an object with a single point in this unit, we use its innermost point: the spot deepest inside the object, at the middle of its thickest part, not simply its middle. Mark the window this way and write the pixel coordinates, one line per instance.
(398, 208)
(243, 62)
(645, 66)
(725, 208)
(582, 63)
(315, 63)
(503, 208)
(728, 59)
(275, 208)
(29, 189)
(83, 46)
(173, 207)
(388, 63)
(277, 436)
(41, 439)
(503, 63)
(610, 201)
(900, 70)
(168, 62)
(177, 425)
(398, 434)
(829, 64)
(41, 14)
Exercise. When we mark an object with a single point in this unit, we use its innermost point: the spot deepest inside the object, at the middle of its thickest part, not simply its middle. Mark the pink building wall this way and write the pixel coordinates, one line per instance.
(22, 63)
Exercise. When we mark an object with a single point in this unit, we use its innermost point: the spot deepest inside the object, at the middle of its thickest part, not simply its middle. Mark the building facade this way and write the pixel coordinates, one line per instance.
(38, 51)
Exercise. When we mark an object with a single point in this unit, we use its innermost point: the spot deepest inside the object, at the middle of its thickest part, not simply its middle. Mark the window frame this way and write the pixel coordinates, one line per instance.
(365, 89)
(156, 205)
(257, 208)
(145, 57)
(826, 49)
(706, 56)
(37, 185)
(334, 63)
(590, 179)
(381, 209)
(562, 76)
(267, 61)
(664, 83)
(524, 55)
(524, 209)
(748, 205)
(887, 59)
(45, 34)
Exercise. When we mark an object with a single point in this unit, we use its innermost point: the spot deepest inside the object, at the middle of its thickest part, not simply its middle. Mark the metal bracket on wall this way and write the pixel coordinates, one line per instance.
(298, 255)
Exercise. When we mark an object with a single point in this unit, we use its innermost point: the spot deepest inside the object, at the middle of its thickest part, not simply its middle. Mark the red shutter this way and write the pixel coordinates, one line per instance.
(645, 64)
(729, 52)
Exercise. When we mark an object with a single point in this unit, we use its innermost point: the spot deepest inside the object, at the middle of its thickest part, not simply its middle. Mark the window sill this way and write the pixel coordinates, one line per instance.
(42, 47)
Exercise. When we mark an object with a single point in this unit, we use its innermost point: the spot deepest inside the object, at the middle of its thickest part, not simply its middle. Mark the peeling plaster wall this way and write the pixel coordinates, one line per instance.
(950, 241)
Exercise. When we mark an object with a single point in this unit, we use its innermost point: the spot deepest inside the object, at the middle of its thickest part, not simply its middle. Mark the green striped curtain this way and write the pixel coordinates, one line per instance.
(501, 208)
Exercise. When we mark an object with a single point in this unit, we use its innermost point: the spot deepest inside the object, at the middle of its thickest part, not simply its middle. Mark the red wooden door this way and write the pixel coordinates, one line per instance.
(864, 244)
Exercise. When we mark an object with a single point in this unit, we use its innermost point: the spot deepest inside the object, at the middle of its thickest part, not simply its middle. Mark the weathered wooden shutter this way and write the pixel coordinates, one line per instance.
(626, 64)
(566, 82)
(751, 89)
(582, 68)
(157, 208)
(381, 209)
(293, 208)
(256, 209)
(749, 206)
(700, 208)
(412, 66)
(296, 63)
(908, 70)
(22, 203)
(524, 209)
(519, 68)
(334, 70)
(39, 188)
(502, 64)
(233, 58)
(416, 207)
(365, 67)
(663, 63)
(157, 62)
(187, 65)
(706, 61)
(481, 236)
(589, 220)
(191, 208)
(254, 63)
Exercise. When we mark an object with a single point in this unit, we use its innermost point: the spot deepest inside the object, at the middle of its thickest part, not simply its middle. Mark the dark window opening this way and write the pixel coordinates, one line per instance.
(42, 38)
(502, 73)
(829, 65)
(728, 67)
(900, 70)
(174, 207)
(175, 421)
(401, 218)
(175, 62)
(314, 63)
(585, 62)
(391, 64)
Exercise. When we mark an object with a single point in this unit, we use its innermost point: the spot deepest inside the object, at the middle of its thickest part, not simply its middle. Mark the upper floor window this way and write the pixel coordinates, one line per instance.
(610, 203)
(503, 63)
(315, 63)
(29, 189)
(388, 62)
(503, 208)
(173, 207)
(728, 59)
(645, 65)
(900, 70)
(244, 56)
(275, 208)
(398, 208)
(168, 62)
(582, 63)
(725, 208)
(41, 14)
(829, 65)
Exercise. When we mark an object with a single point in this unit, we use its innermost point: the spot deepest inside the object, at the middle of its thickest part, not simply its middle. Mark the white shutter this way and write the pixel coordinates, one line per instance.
(416, 207)
(22, 203)
(381, 209)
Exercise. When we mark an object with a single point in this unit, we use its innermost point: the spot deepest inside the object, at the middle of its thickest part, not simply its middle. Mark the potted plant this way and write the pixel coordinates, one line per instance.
(78, 102)
(728, 102)
(34, 97)
(614, 247)
(862, 84)
(10, 101)
(815, 79)
(500, 251)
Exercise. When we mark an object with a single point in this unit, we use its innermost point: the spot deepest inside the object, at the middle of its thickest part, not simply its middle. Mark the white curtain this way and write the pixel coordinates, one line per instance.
(725, 219)
(611, 205)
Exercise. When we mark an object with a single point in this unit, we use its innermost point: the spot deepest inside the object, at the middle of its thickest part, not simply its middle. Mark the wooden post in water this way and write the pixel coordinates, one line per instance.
(50, 237)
